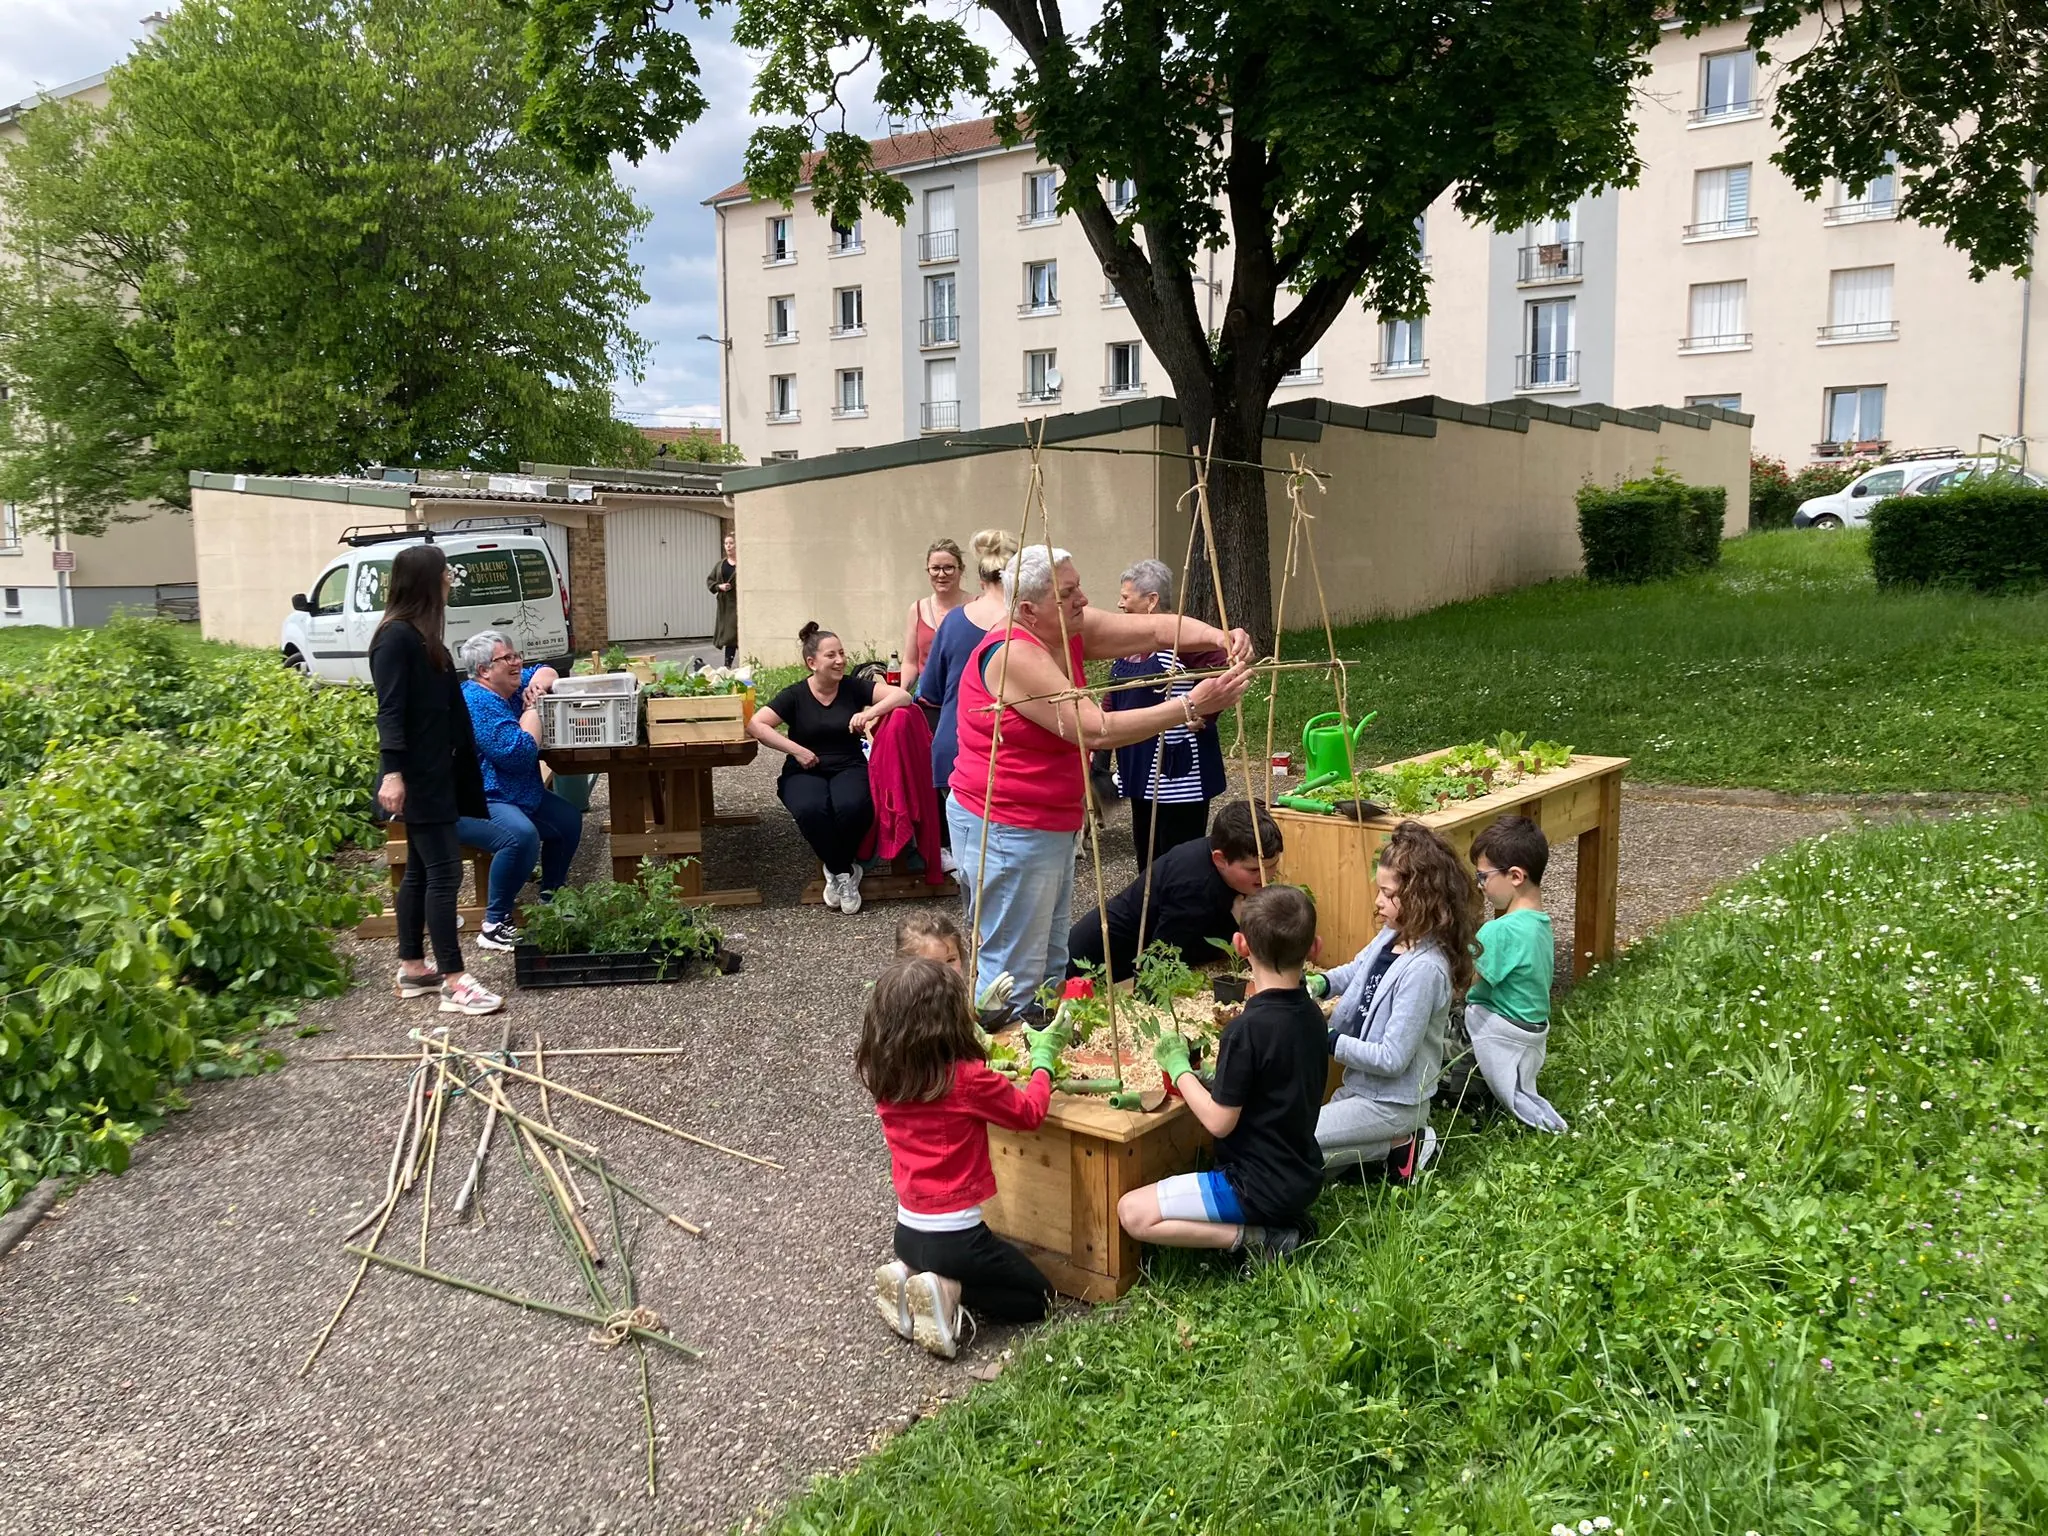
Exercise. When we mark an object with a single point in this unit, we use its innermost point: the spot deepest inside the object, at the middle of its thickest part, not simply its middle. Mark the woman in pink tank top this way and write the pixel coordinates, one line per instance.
(1018, 803)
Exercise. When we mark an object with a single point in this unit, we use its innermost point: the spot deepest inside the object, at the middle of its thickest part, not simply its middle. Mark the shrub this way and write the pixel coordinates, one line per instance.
(168, 881)
(1770, 492)
(1990, 535)
(1645, 529)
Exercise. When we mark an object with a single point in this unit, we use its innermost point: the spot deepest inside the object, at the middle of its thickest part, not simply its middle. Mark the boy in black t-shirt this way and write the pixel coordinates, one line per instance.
(1270, 1070)
(1195, 891)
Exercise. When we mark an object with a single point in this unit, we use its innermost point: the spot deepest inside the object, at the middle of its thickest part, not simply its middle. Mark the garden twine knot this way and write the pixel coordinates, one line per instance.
(620, 1325)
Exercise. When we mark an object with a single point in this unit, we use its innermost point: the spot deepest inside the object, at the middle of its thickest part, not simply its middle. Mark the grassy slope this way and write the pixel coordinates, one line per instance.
(1786, 1276)
(1785, 668)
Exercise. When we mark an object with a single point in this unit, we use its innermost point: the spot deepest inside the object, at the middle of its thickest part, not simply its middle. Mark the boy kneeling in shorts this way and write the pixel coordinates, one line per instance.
(1261, 1106)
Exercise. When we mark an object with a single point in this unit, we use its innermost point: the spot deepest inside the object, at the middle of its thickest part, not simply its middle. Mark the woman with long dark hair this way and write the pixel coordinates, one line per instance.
(431, 775)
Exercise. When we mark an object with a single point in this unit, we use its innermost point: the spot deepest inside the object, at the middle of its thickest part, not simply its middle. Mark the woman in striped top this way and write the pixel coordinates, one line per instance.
(1169, 779)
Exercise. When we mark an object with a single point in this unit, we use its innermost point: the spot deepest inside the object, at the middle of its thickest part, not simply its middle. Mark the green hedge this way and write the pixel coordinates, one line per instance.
(168, 881)
(1990, 536)
(1775, 492)
(1644, 529)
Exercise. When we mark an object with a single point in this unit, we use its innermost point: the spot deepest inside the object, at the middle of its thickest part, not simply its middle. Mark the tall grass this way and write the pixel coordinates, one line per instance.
(1786, 1275)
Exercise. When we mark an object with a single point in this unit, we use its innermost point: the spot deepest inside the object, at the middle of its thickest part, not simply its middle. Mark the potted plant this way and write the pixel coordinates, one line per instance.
(612, 933)
(1229, 986)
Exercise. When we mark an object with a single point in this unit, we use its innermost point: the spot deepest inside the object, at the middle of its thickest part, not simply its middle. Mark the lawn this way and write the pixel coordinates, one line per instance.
(1784, 668)
(1785, 1276)
(24, 645)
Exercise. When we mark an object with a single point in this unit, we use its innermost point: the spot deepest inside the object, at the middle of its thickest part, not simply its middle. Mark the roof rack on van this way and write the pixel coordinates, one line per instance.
(383, 533)
(504, 524)
(1906, 455)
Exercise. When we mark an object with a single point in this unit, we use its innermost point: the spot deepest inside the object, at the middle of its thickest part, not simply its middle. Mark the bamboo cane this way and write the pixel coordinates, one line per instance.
(560, 1050)
(594, 1165)
(437, 1087)
(547, 1116)
(527, 1303)
(412, 1098)
(473, 1183)
(624, 1113)
(554, 1182)
(381, 1217)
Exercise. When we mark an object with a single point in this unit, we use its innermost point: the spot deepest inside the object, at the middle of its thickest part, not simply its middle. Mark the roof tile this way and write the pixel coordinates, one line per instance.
(945, 142)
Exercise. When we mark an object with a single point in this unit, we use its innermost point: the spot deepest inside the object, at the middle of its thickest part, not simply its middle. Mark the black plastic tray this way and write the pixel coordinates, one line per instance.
(533, 969)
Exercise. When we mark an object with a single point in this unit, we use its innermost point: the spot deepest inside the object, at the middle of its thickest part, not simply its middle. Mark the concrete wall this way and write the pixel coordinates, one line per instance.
(1434, 505)
(254, 551)
(121, 568)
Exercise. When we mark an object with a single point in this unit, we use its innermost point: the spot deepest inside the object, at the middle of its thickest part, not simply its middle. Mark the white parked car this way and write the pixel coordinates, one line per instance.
(505, 580)
(1850, 506)
(1949, 479)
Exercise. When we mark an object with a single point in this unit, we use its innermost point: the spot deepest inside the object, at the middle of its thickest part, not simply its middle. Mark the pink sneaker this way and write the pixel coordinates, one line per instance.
(468, 995)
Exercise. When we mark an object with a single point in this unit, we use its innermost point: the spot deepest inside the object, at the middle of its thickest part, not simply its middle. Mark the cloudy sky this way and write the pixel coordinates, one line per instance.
(53, 42)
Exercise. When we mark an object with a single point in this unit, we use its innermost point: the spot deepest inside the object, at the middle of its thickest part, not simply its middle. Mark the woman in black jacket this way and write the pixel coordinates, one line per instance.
(431, 774)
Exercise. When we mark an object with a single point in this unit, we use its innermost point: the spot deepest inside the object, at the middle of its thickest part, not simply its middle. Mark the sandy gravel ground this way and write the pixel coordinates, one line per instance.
(152, 1329)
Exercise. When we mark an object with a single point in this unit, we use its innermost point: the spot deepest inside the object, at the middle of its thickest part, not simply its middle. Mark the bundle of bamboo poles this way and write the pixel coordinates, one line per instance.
(443, 1076)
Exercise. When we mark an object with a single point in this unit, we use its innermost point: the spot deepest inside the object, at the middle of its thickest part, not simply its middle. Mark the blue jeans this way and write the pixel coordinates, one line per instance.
(548, 833)
(1027, 890)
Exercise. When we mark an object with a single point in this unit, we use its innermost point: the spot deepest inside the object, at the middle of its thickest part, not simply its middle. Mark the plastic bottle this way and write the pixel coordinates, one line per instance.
(894, 675)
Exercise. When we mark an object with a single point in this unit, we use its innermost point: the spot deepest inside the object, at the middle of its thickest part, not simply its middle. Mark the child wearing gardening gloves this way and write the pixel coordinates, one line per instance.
(1388, 1028)
(1507, 1015)
(937, 1095)
(1271, 1065)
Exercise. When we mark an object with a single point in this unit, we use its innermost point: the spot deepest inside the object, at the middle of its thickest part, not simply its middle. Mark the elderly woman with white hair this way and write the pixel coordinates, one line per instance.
(1023, 800)
(527, 821)
(1169, 779)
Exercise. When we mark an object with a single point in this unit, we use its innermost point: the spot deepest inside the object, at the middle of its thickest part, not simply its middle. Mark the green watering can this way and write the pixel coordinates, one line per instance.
(1322, 744)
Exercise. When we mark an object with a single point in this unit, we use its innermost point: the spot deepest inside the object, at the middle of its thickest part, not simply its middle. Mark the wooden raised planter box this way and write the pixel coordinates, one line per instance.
(1335, 856)
(1057, 1187)
(711, 717)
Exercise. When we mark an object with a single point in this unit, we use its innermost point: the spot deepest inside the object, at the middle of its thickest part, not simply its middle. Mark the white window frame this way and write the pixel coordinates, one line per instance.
(1039, 364)
(1121, 192)
(10, 602)
(10, 528)
(846, 242)
(1527, 382)
(781, 250)
(1861, 392)
(782, 407)
(1308, 371)
(1401, 361)
(1695, 401)
(1041, 198)
(781, 319)
(1717, 317)
(1132, 382)
(1734, 220)
(1710, 112)
(856, 407)
(1041, 298)
(1864, 205)
(1860, 306)
(858, 325)
(940, 327)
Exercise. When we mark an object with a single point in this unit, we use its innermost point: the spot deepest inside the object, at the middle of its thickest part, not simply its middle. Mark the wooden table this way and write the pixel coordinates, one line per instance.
(1057, 1187)
(661, 802)
(1335, 857)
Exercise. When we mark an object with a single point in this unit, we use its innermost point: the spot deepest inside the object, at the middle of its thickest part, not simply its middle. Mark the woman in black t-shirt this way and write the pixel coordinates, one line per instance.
(825, 781)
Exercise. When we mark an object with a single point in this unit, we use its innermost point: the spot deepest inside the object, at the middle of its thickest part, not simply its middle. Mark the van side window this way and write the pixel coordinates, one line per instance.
(536, 581)
(1887, 484)
(481, 578)
(373, 582)
(327, 596)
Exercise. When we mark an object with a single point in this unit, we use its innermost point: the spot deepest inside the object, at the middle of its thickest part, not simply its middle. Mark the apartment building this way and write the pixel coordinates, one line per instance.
(1837, 325)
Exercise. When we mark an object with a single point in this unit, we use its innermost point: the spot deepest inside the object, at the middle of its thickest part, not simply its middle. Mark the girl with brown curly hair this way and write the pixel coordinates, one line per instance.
(1394, 1010)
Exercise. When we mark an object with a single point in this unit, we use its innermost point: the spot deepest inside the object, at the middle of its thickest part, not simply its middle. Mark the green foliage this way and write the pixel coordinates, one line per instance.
(1784, 1277)
(1650, 528)
(1989, 534)
(1775, 493)
(611, 917)
(195, 276)
(1418, 786)
(1163, 978)
(1786, 667)
(168, 879)
(672, 680)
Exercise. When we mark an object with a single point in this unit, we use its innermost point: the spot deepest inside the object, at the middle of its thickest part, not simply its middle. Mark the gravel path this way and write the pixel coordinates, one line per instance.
(154, 1326)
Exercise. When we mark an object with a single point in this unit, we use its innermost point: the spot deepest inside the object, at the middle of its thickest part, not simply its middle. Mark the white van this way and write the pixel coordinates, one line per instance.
(505, 579)
(1850, 506)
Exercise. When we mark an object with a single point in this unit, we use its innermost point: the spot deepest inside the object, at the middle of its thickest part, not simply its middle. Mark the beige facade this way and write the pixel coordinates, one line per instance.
(1420, 509)
(1713, 281)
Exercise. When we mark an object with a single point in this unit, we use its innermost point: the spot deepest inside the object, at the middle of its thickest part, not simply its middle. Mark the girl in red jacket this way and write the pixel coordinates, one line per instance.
(937, 1095)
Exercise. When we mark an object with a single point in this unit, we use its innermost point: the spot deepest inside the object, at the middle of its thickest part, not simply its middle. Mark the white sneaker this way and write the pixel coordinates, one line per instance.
(849, 892)
(931, 1323)
(892, 1297)
(948, 865)
(831, 889)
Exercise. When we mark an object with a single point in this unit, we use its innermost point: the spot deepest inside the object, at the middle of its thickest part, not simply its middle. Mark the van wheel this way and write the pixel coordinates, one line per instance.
(295, 660)
(1827, 520)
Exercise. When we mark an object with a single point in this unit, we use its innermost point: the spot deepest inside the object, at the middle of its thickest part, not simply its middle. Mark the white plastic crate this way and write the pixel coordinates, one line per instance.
(605, 685)
(604, 721)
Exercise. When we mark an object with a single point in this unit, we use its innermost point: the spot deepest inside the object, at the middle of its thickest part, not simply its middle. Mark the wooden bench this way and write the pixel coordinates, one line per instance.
(384, 925)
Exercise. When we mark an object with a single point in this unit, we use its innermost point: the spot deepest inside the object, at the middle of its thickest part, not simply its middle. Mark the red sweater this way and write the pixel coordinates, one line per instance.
(938, 1152)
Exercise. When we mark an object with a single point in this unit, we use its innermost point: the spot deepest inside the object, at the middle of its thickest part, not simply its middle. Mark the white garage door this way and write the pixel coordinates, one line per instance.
(655, 564)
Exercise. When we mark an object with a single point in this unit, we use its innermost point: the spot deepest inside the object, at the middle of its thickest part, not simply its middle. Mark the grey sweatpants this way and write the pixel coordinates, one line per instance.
(1359, 1130)
(1509, 1057)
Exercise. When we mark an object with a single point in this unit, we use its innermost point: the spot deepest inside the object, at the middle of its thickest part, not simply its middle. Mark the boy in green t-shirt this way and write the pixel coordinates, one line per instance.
(1507, 1012)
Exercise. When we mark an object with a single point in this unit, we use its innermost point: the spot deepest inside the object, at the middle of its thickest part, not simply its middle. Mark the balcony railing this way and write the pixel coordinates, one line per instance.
(939, 331)
(849, 412)
(1396, 367)
(1855, 448)
(1032, 307)
(1707, 229)
(846, 247)
(1300, 376)
(1127, 391)
(1039, 397)
(938, 245)
(857, 329)
(782, 418)
(1725, 110)
(1562, 261)
(1726, 342)
(1862, 213)
(939, 416)
(1861, 330)
(1547, 370)
(777, 338)
(1111, 299)
(780, 256)
(1046, 216)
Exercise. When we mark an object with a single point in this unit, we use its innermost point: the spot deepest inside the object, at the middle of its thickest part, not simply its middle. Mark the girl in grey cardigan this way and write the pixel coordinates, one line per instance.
(1394, 1009)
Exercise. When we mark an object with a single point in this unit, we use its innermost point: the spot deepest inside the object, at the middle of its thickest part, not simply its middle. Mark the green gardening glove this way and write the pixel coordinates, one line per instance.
(1171, 1052)
(1318, 985)
(995, 996)
(1045, 1046)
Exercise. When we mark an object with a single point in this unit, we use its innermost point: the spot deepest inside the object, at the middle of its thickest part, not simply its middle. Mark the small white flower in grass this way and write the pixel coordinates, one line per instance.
(1926, 1104)
(1585, 1528)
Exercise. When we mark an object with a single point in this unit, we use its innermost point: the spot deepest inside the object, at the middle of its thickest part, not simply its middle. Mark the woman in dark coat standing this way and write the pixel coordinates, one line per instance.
(724, 584)
(431, 775)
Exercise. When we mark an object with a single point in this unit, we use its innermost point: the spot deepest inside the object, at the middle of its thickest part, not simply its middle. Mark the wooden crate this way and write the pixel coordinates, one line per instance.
(712, 717)
(1057, 1187)
(1335, 857)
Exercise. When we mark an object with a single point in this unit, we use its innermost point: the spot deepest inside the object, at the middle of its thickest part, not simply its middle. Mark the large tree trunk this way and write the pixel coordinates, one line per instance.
(1237, 511)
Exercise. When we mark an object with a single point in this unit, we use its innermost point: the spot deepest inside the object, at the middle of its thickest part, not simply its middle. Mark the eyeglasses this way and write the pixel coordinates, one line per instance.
(1486, 874)
(512, 656)
(942, 570)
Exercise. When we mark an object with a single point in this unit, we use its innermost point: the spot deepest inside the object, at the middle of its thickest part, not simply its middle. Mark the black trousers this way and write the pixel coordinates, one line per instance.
(427, 893)
(731, 651)
(1177, 824)
(832, 810)
(997, 1283)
